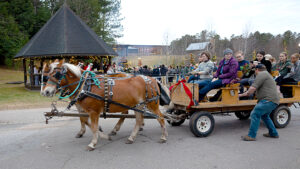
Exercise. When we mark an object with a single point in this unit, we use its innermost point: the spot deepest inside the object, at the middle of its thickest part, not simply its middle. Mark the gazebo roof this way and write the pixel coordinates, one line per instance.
(65, 34)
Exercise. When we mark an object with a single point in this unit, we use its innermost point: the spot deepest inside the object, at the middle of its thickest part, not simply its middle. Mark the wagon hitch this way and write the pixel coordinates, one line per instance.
(54, 112)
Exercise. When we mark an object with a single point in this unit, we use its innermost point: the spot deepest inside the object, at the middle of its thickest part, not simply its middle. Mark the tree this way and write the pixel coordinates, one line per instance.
(11, 39)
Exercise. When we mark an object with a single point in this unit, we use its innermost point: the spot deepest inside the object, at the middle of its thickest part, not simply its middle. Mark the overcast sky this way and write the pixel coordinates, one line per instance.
(148, 21)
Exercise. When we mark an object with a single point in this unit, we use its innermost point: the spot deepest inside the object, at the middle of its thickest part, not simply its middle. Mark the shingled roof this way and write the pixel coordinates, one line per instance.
(65, 34)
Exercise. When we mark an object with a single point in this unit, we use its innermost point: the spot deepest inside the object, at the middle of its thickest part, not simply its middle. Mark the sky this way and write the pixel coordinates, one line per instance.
(158, 22)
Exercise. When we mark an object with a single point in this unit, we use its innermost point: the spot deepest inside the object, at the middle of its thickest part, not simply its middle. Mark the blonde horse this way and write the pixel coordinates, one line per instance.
(128, 91)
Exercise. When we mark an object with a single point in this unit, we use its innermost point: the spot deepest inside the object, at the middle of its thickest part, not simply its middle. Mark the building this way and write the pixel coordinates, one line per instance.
(125, 50)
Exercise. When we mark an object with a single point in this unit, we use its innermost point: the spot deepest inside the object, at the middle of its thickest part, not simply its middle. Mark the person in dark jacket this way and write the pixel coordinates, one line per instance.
(260, 57)
(163, 70)
(227, 71)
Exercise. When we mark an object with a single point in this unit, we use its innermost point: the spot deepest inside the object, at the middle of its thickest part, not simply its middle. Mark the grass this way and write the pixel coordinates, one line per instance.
(15, 96)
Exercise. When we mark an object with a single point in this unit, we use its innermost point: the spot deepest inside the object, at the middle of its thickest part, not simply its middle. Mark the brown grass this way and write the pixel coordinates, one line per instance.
(15, 96)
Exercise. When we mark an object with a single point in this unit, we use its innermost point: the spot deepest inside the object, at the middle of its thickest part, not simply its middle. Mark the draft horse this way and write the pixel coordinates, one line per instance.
(128, 91)
(84, 120)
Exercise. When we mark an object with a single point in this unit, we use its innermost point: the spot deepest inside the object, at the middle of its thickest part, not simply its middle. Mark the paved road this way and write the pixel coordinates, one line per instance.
(26, 142)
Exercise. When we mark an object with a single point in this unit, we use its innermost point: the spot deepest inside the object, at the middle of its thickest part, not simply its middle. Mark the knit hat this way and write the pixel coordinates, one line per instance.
(227, 51)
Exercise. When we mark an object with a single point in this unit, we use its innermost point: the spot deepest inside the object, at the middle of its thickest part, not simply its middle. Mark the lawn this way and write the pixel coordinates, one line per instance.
(15, 96)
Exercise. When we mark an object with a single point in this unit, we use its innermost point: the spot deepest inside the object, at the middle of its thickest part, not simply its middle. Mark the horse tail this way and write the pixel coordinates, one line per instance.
(164, 98)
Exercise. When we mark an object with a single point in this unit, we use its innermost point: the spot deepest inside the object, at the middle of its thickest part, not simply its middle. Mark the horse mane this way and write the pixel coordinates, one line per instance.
(74, 69)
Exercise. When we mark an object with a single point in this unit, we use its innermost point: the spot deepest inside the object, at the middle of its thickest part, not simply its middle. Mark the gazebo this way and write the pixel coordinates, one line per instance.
(65, 35)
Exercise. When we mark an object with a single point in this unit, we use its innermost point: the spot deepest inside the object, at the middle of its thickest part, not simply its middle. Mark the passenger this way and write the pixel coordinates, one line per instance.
(194, 76)
(204, 70)
(283, 66)
(227, 71)
(294, 75)
(261, 59)
(248, 76)
(241, 59)
(270, 58)
(264, 85)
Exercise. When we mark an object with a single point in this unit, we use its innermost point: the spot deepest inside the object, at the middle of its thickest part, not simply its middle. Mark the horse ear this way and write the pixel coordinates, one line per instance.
(61, 62)
(56, 60)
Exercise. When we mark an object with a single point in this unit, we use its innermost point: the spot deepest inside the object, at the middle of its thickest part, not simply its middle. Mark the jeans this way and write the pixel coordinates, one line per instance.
(193, 78)
(36, 80)
(202, 83)
(262, 110)
(242, 83)
(211, 85)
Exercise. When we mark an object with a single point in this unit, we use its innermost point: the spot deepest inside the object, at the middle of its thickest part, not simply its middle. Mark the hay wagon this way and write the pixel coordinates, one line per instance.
(201, 120)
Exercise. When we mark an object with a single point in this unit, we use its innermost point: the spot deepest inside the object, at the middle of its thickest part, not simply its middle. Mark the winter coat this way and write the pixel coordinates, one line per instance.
(229, 70)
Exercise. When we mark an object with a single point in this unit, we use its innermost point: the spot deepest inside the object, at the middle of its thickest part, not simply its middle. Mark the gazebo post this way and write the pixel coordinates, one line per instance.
(42, 63)
(101, 64)
(25, 71)
(31, 64)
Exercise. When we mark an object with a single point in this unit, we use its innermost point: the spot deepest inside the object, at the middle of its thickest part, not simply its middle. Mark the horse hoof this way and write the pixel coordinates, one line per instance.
(162, 141)
(141, 129)
(113, 133)
(88, 148)
(100, 129)
(109, 138)
(129, 142)
(78, 135)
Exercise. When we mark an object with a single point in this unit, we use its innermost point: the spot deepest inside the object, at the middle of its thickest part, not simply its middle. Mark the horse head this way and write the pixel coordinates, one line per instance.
(57, 75)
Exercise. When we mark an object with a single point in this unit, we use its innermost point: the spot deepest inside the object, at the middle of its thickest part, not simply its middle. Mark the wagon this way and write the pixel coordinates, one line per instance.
(201, 119)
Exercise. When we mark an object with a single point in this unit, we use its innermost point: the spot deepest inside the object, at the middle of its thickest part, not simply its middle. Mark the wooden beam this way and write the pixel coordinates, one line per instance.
(31, 64)
(25, 71)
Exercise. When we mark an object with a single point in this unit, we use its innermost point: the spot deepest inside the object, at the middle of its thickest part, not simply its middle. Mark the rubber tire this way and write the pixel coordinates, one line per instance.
(240, 116)
(274, 115)
(176, 123)
(193, 124)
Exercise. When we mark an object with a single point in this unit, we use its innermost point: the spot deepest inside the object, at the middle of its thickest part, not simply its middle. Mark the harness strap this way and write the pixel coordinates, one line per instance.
(119, 104)
(106, 106)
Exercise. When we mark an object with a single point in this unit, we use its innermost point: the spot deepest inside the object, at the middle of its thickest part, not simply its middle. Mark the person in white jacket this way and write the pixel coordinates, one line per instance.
(204, 70)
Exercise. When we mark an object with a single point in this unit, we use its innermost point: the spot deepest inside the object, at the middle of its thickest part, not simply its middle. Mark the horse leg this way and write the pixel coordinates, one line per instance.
(161, 121)
(118, 125)
(143, 124)
(83, 122)
(94, 127)
(138, 118)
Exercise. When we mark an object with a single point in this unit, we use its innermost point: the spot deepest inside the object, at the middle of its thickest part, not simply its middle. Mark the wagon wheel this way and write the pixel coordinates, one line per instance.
(281, 116)
(176, 122)
(202, 124)
(242, 115)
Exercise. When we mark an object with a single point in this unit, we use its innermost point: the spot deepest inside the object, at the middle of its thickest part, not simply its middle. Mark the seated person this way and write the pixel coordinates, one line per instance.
(283, 66)
(227, 71)
(242, 62)
(248, 76)
(293, 75)
(260, 58)
(204, 72)
(194, 75)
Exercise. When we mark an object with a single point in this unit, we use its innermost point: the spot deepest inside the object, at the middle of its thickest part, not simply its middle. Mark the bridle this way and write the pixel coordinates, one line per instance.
(56, 78)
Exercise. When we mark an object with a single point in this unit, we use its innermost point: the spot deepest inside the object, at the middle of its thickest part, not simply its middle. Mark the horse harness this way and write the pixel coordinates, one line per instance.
(84, 90)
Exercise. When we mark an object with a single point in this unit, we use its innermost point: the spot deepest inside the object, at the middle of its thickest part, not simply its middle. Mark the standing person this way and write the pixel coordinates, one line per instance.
(268, 100)
(227, 71)
(36, 75)
(260, 58)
